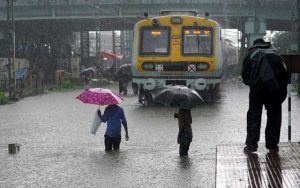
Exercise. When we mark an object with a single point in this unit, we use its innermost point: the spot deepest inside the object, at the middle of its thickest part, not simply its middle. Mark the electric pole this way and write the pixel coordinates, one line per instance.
(9, 47)
(298, 41)
(14, 46)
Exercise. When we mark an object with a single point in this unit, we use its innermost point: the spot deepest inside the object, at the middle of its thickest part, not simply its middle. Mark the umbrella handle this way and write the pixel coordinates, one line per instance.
(99, 109)
(176, 113)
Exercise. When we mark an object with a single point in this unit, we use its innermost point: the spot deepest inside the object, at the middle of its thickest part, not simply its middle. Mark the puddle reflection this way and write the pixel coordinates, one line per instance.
(185, 162)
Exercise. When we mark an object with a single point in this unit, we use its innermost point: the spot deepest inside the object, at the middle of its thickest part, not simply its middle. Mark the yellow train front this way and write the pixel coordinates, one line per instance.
(173, 48)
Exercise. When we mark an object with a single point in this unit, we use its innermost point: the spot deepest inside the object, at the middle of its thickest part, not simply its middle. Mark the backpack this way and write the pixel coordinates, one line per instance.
(268, 71)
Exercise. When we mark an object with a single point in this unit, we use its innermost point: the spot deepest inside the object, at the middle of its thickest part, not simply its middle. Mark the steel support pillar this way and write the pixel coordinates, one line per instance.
(116, 40)
(98, 45)
(129, 39)
(125, 44)
(85, 46)
(243, 49)
(255, 28)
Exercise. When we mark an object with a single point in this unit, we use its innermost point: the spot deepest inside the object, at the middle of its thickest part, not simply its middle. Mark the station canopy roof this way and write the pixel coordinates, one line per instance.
(110, 55)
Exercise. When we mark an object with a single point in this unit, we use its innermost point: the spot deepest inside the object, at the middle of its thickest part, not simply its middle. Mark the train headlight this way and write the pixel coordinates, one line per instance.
(148, 66)
(202, 66)
(176, 20)
(155, 22)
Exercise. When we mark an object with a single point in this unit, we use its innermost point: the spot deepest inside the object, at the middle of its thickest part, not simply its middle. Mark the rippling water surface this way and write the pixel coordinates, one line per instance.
(58, 151)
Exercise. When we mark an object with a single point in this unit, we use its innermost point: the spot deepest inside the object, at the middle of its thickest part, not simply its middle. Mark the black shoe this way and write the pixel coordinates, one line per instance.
(247, 150)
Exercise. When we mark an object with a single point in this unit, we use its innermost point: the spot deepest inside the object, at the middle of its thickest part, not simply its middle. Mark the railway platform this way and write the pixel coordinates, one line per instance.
(260, 169)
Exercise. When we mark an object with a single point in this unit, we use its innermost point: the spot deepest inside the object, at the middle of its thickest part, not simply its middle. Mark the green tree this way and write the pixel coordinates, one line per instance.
(3, 98)
(282, 41)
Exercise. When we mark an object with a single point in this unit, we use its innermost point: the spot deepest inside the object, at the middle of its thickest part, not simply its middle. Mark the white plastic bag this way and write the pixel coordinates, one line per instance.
(95, 124)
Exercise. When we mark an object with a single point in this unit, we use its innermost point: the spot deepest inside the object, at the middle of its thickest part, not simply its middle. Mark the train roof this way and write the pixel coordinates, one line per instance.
(178, 13)
(172, 15)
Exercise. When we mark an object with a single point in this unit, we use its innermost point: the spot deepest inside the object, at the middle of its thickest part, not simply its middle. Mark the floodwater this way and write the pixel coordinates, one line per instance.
(58, 150)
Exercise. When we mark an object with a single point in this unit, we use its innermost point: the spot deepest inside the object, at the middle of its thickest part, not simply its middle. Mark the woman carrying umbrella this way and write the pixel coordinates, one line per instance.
(185, 134)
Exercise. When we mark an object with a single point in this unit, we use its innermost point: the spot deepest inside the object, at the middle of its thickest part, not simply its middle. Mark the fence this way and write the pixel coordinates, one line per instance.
(23, 87)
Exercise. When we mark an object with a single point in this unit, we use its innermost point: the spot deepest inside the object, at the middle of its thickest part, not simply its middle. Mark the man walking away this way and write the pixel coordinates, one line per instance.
(114, 116)
(265, 73)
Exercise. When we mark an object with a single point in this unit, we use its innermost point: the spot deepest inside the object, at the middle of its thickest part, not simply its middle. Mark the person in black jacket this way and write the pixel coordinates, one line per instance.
(185, 134)
(124, 76)
(259, 97)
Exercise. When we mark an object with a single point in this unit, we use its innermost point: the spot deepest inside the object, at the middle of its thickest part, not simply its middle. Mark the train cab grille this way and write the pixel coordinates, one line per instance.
(175, 66)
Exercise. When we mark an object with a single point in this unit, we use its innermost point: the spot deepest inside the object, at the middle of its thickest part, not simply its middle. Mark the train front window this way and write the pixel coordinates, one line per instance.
(155, 41)
(197, 40)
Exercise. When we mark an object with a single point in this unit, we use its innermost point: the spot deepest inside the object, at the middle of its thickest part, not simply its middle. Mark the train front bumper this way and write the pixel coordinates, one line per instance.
(194, 83)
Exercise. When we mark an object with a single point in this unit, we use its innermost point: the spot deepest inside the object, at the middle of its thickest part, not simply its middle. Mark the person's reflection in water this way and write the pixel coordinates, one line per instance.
(274, 170)
(186, 173)
(185, 162)
(105, 160)
(254, 171)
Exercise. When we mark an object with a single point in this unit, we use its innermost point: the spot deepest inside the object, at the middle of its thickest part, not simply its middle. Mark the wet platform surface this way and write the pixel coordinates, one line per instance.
(260, 169)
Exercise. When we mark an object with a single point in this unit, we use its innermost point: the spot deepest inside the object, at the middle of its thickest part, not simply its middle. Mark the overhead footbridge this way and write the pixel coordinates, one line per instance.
(122, 14)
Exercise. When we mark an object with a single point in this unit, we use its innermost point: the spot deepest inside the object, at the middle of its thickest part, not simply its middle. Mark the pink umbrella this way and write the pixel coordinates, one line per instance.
(99, 96)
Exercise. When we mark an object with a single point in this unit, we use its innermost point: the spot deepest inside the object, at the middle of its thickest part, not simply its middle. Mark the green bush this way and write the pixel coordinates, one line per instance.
(67, 85)
(3, 98)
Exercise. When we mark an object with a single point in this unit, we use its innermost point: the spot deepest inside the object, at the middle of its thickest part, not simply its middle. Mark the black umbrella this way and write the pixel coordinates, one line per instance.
(90, 70)
(124, 72)
(177, 96)
(124, 69)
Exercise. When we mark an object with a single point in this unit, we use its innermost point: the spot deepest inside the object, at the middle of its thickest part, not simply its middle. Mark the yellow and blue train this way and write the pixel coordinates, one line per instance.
(179, 48)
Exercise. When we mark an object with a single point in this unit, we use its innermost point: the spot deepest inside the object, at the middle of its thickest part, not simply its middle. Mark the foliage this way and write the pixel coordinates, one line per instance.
(67, 85)
(3, 98)
(282, 41)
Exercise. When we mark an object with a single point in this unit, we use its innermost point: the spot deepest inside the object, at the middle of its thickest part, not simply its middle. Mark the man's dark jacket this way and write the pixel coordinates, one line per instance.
(268, 76)
(247, 64)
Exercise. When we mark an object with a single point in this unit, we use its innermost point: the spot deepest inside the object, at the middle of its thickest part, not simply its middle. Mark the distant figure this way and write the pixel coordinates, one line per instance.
(114, 116)
(123, 86)
(264, 71)
(109, 72)
(124, 76)
(135, 88)
(185, 135)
